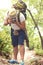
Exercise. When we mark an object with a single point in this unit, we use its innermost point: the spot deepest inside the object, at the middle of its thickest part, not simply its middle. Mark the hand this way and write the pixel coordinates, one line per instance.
(9, 21)
(5, 23)
(16, 22)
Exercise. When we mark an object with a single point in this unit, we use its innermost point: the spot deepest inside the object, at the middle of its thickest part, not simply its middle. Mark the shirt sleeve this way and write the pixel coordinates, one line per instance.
(22, 18)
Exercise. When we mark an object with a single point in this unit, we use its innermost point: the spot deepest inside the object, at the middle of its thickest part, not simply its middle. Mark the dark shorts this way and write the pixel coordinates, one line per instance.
(17, 39)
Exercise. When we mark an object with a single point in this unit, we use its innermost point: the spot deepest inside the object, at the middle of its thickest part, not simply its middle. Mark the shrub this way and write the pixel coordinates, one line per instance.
(39, 52)
(5, 41)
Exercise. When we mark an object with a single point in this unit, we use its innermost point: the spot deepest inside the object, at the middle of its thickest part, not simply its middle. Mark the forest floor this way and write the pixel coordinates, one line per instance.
(29, 55)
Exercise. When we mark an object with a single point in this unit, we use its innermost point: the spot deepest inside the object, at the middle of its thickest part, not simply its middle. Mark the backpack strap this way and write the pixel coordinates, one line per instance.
(18, 17)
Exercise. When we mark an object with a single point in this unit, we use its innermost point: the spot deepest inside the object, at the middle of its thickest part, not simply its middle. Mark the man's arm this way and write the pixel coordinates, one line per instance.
(7, 21)
(21, 21)
(21, 25)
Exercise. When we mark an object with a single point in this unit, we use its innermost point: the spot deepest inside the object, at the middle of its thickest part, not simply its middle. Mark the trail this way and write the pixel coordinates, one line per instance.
(28, 55)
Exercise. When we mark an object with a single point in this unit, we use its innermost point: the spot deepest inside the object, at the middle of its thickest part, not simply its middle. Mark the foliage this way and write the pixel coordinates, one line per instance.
(39, 52)
(2, 14)
(34, 40)
(5, 41)
(36, 10)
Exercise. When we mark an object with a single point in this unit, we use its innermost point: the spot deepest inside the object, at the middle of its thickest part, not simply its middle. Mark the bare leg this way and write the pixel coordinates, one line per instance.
(15, 50)
(22, 51)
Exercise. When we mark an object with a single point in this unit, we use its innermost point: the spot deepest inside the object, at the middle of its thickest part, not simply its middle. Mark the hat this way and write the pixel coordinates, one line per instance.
(12, 12)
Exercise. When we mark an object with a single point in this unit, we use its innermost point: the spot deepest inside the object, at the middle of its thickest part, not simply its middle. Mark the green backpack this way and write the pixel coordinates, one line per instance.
(21, 6)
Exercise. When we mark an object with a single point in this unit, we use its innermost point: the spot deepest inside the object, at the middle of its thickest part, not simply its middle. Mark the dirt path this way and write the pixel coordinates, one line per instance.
(28, 55)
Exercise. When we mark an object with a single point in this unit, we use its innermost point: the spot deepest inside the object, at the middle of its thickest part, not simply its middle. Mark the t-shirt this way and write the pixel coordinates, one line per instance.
(15, 26)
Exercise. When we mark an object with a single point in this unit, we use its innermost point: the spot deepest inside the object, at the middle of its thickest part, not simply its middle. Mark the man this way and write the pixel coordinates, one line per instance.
(17, 36)
(22, 7)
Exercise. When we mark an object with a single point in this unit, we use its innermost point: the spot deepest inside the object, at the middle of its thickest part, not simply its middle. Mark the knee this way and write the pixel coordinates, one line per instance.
(22, 48)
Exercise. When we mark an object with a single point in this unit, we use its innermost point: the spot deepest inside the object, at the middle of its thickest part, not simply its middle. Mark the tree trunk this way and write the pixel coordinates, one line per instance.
(36, 27)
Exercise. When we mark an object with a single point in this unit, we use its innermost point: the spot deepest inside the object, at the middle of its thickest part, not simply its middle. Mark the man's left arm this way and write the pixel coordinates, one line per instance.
(21, 24)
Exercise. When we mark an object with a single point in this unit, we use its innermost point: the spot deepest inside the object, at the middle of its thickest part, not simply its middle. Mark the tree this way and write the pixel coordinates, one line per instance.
(36, 25)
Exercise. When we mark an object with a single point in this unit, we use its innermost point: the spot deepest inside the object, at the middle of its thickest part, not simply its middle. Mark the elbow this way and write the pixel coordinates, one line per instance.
(5, 23)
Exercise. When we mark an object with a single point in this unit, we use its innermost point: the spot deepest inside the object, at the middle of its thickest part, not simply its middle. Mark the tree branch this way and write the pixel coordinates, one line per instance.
(36, 27)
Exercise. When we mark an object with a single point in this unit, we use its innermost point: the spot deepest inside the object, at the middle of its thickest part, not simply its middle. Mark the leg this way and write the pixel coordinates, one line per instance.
(21, 43)
(14, 43)
(22, 51)
(15, 50)
(15, 47)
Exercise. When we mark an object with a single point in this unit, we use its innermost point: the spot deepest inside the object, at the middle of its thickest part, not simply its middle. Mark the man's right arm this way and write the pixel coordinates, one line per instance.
(5, 22)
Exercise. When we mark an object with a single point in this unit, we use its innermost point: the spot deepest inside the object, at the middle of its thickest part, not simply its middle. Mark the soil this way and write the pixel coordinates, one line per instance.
(29, 54)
